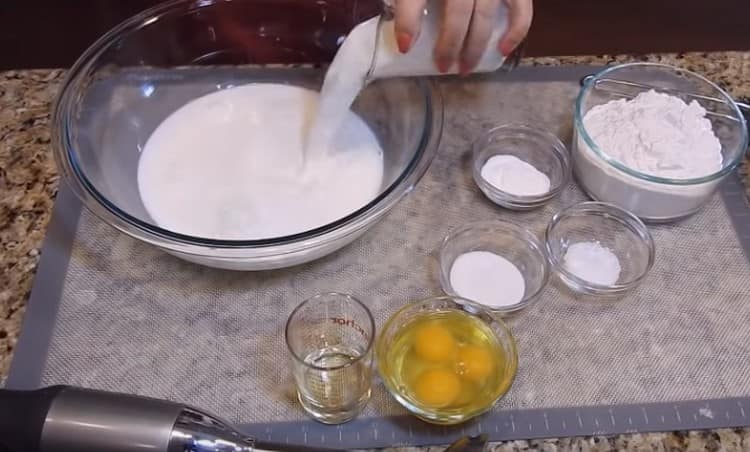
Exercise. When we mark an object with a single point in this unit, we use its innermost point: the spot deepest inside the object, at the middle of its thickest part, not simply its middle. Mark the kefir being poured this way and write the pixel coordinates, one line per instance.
(243, 163)
(371, 52)
(268, 160)
(227, 166)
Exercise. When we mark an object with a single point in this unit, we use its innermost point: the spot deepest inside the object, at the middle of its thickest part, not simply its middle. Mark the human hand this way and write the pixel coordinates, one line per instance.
(465, 30)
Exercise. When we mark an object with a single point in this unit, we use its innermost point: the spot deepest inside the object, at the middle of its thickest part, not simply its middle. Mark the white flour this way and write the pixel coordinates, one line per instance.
(592, 262)
(487, 278)
(656, 134)
(512, 175)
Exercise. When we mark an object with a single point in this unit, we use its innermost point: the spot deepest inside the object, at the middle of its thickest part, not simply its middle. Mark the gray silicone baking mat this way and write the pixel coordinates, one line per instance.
(109, 312)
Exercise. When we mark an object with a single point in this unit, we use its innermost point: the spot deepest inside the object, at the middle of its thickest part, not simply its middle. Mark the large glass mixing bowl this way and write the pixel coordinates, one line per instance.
(132, 78)
(653, 198)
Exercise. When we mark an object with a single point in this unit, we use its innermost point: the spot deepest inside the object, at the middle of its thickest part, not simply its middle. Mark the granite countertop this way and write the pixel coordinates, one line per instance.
(29, 180)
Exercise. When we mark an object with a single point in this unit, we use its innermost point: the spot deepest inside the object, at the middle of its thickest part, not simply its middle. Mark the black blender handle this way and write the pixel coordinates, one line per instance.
(22, 416)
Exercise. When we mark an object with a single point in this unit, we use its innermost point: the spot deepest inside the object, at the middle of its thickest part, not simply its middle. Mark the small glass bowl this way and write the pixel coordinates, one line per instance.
(404, 316)
(505, 239)
(615, 228)
(536, 147)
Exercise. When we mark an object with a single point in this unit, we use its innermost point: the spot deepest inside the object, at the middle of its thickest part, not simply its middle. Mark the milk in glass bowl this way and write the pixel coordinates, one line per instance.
(189, 126)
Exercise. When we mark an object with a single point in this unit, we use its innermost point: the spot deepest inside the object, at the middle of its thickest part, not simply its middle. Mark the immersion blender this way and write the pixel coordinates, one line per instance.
(69, 419)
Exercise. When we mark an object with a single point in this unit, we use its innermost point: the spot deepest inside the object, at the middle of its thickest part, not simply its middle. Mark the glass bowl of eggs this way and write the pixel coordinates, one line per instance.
(446, 359)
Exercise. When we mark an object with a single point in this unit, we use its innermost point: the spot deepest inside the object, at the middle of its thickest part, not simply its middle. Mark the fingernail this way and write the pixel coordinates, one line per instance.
(464, 68)
(404, 41)
(443, 64)
(506, 47)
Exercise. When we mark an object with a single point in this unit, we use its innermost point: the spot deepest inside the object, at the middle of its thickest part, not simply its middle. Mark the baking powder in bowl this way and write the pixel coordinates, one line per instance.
(487, 278)
(512, 175)
(592, 262)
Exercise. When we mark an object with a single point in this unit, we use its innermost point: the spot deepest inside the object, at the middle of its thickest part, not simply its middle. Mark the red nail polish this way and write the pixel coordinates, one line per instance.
(464, 68)
(403, 39)
(506, 48)
(443, 65)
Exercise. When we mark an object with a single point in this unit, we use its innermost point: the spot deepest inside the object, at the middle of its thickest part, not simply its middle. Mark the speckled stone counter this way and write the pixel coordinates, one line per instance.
(29, 180)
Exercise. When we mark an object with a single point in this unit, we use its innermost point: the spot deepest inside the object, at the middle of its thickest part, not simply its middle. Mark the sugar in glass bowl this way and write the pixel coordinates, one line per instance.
(140, 72)
(508, 240)
(650, 197)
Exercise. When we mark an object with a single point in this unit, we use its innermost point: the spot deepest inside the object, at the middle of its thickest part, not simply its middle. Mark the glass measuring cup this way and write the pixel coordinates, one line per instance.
(330, 338)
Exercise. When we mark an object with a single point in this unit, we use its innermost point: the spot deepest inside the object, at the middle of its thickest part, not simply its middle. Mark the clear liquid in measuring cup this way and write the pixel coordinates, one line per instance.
(343, 387)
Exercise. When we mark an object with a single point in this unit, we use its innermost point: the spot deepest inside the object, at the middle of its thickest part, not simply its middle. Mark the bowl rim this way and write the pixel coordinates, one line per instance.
(502, 226)
(559, 150)
(625, 217)
(471, 308)
(65, 156)
(581, 129)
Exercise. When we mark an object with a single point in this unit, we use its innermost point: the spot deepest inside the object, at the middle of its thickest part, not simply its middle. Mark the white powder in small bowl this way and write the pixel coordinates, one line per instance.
(592, 262)
(512, 175)
(487, 278)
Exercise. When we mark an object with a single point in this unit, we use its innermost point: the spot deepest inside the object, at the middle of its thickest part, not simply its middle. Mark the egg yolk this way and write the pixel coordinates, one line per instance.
(434, 343)
(437, 388)
(475, 363)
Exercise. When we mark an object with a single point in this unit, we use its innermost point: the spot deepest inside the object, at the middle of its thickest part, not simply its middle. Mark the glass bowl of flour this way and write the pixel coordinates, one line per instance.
(599, 249)
(201, 128)
(497, 264)
(655, 139)
(520, 167)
